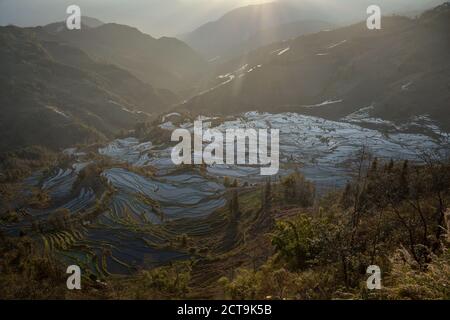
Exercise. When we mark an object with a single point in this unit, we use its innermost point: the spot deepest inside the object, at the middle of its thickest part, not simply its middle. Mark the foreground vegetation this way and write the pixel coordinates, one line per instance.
(280, 240)
(392, 215)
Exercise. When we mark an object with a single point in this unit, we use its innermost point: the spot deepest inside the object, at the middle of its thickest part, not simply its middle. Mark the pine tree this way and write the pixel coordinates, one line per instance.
(234, 206)
(374, 167)
(347, 196)
(390, 166)
(267, 204)
(403, 180)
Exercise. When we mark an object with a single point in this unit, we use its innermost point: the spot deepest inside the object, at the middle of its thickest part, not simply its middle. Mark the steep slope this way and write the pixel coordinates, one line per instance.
(55, 95)
(165, 63)
(425, 88)
(401, 71)
(284, 19)
(282, 32)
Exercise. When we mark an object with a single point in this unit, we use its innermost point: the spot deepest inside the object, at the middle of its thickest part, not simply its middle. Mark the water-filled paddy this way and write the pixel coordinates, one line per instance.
(140, 204)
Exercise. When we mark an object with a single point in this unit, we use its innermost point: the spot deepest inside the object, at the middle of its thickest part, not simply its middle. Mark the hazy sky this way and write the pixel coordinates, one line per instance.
(156, 17)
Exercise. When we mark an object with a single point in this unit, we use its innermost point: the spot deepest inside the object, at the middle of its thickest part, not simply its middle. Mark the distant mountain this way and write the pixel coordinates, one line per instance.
(401, 71)
(253, 23)
(282, 32)
(264, 37)
(55, 95)
(86, 22)
(91, 22)
(165, 63)
(251, 26)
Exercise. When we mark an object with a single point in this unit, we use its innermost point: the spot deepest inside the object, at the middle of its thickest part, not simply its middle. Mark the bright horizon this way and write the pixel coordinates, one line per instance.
(168, 17)
(155, 17)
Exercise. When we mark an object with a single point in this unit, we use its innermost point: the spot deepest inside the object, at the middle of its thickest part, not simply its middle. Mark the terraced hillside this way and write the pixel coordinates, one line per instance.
(126, 206)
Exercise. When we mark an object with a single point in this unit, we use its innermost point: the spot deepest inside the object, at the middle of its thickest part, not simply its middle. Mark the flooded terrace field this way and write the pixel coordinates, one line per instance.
(134, 219)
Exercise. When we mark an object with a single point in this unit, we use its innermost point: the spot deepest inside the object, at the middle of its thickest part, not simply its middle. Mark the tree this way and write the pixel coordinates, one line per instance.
(297, 190)
(347, 196)
(234, 206)
(60, 219)
(267, 196)
(226, 182)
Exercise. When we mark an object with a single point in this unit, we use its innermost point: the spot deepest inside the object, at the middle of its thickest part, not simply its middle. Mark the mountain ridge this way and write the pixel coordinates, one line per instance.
(351, 66)
(55, 95)
(218, 38)
(165, 63)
